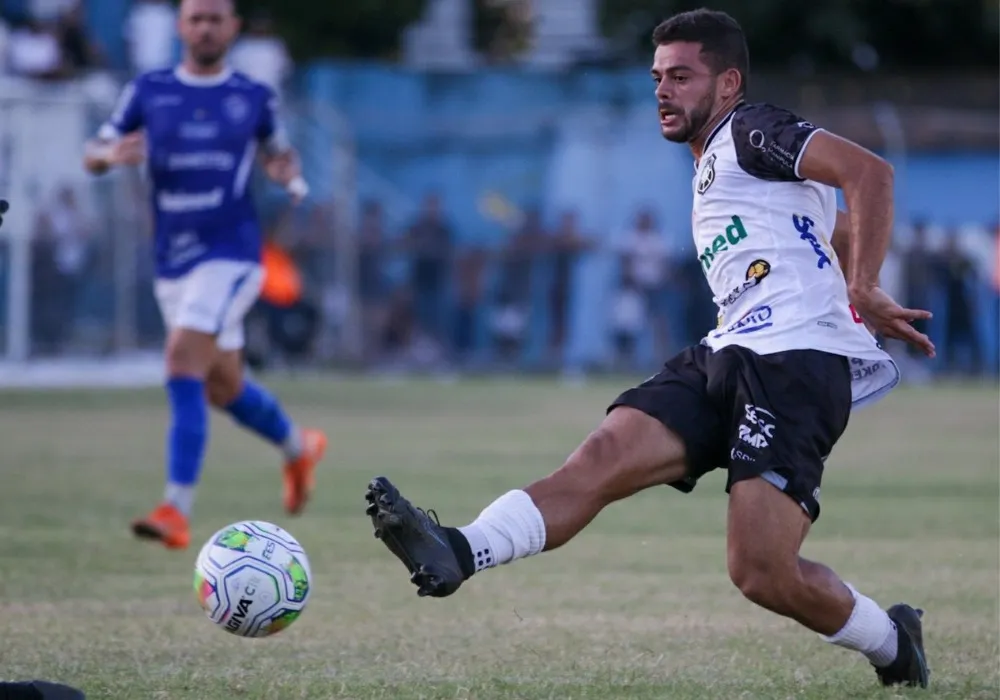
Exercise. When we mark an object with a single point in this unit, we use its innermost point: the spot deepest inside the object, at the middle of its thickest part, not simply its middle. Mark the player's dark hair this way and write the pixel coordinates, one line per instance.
(723, 44)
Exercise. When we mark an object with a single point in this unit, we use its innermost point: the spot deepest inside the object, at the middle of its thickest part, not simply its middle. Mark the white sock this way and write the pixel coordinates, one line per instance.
(182, 497)
(509, 528)
(291, 448)
(868, 630)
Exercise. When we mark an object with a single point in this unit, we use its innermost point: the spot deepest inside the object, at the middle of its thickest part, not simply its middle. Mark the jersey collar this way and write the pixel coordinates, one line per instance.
(188, 78)
(718, 127)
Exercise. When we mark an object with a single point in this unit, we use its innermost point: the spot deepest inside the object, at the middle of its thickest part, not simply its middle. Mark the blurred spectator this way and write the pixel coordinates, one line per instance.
(262, 54)
(566, 244)
(430, 241)
(470, 271)
(4, 46)
(398, 333)
(959, 273)
(78, 51)
(517, 260)
(62, 243)
(629, 315)
(34, 52)
(372, 249)
(645, 261)
(150, 31)
(920, 270)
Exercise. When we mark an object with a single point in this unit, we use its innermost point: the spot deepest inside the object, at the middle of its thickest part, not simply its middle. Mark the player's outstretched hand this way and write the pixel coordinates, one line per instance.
(4, 206)
(130, 149)
(890, 319)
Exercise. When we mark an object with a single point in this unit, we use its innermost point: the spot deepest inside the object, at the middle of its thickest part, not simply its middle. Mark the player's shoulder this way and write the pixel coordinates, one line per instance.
(154, 79)
(241, 81)
(765, 117)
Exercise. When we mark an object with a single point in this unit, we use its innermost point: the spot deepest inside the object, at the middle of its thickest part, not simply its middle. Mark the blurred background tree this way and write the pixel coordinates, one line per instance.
(831, 34)
(355, 28)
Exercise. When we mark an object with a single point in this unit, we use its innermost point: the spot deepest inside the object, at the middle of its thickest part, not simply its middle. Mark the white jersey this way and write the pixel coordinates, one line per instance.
(763, 238)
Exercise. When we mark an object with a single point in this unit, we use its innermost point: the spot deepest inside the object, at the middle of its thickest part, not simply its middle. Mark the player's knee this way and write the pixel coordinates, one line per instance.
(189, 354)
(222, 391)
(764, 580)
(596, 462)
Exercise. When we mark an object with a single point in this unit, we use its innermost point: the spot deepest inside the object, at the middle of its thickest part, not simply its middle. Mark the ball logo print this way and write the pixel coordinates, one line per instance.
(252, 579)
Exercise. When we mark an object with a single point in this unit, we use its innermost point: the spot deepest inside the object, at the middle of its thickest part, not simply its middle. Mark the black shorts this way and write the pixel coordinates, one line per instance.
(775, 416)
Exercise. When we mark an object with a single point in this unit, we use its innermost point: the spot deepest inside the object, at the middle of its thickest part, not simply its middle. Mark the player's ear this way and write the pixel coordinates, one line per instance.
(732, 83)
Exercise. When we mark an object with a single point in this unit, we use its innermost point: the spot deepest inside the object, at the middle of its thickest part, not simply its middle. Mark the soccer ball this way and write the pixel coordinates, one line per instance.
(252, 578)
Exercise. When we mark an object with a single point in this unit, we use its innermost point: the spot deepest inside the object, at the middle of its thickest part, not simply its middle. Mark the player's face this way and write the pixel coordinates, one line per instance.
(686, 90)
(207, 27)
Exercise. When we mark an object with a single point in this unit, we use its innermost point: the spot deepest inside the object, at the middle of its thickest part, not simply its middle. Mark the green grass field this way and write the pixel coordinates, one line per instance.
(640, 606)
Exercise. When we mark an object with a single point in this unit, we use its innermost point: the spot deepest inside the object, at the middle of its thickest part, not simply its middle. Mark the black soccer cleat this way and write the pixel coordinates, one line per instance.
(910, 667)
(416, 538)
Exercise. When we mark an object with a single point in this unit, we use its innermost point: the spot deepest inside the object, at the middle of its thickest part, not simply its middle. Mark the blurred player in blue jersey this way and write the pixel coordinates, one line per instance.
(199, 128)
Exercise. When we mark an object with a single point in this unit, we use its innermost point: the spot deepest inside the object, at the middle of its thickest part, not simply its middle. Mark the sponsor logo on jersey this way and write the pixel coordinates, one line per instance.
(758, 270)
(803, 224)
(756, 319)
(735, 233)
(236, 107)
(706, 175)
(202, 160)
(757, 427)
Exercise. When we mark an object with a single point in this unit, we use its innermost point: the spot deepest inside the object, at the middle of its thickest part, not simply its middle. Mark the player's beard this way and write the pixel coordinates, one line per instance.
(208, 56)
(695, 121)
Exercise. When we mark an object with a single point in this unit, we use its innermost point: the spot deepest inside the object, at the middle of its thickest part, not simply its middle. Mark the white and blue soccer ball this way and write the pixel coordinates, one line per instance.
(252, 578)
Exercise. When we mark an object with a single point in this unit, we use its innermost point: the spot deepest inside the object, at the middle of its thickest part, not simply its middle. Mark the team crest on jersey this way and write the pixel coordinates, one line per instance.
(706, 175)
(237, 108)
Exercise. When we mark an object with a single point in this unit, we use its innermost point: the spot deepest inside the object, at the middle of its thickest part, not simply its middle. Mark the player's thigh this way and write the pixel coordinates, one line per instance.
(188, 351)
(764, 533)
(666, 429)
(789, 409)
(217, 294)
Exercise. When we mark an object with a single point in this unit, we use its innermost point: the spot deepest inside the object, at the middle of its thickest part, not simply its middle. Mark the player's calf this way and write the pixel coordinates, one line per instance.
(256, 409)
(189, 355)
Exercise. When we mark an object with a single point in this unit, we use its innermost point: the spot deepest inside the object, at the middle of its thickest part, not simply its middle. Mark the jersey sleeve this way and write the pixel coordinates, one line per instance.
(769, 141)
(127, 115)
(271, 130)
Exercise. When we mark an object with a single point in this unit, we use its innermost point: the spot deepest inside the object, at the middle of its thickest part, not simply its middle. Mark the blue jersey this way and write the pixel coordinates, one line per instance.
(202, 135)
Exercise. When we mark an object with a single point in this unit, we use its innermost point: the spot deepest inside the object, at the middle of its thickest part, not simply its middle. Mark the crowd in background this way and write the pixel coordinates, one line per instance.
(426, 300)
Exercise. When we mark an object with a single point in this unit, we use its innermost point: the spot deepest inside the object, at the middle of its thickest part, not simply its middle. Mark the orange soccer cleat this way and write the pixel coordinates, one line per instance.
(166, 524)
(299, 473)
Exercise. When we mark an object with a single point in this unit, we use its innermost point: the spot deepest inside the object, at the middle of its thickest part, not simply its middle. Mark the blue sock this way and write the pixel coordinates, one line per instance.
(259, 411)
(187, 435)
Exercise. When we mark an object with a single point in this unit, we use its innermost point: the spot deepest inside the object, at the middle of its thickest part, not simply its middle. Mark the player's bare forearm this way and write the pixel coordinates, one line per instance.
(284, 168)
(841, 241)
(867, 183)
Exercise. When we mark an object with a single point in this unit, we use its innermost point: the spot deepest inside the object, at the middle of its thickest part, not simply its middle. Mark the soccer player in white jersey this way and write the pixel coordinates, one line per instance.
(198, 128)
(765, 396)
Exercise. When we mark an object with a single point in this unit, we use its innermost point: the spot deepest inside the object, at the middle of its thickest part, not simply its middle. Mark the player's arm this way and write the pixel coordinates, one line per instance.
(280, 160)
(867, 183)
(841, 241)
(119, 140)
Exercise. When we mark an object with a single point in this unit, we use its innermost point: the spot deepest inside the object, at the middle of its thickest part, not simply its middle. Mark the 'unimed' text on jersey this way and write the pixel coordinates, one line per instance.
(763, 234)
(202, 135)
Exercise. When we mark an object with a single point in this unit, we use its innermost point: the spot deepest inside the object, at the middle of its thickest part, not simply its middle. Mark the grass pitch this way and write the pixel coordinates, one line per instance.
(639, 606)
